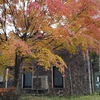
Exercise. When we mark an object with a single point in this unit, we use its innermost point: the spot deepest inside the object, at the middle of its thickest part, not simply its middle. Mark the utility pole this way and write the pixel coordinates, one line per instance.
(6, 83)
(89, 72)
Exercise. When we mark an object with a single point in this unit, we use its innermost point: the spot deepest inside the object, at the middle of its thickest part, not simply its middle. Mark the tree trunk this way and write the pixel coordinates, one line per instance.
(18, 61)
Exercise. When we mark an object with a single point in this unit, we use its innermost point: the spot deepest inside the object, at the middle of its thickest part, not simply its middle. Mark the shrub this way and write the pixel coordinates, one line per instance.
(9, 94)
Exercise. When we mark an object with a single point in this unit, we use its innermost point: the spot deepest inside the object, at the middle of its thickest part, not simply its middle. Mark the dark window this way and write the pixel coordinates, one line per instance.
(27, 80)
(57, 78)
(96, 81)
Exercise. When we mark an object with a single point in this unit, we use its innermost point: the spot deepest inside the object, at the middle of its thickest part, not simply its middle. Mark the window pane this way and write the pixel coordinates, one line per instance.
(96, 80)
(27, 80)
(57, 78)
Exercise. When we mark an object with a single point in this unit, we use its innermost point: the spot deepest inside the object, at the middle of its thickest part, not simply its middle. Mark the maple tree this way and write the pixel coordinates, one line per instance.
(38, 28)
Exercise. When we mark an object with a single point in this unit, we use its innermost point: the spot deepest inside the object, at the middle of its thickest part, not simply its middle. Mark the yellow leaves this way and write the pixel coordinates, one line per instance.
(85, 42)
(80, 41)
(47, 29)
(1, 1)
(60, 63)
(7, 58)
(60, 32)
(9, 49)
(76, 34)
(20, 19)
(2, 68)
(27, 68)
(2, 38)
(46, 64)
(47, 59)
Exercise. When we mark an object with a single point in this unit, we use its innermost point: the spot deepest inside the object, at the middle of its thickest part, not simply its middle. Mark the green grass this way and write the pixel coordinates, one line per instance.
(31, 97)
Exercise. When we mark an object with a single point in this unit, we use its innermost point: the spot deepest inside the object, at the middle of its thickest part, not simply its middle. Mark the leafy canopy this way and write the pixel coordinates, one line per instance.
(39, 28)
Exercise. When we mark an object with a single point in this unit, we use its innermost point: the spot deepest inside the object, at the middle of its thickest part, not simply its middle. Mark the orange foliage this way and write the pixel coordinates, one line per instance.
(5, 90)
(28, 27)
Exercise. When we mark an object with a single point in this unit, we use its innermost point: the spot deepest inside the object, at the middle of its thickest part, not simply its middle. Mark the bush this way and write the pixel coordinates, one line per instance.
(8, 94)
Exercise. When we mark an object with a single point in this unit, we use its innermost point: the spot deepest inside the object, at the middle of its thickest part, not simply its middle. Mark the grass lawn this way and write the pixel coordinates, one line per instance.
(30, 97)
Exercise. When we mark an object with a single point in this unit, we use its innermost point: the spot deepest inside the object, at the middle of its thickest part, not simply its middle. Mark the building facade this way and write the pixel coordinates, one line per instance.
(79, 78)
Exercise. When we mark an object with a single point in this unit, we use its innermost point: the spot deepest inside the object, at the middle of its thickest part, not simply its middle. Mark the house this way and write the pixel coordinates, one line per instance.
(80, 78)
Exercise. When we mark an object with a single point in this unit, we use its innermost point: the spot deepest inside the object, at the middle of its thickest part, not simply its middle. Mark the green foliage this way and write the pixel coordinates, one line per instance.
(89, 97)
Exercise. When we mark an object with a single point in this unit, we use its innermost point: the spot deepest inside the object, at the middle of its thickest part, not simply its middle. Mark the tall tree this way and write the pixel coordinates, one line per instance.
(38, 28)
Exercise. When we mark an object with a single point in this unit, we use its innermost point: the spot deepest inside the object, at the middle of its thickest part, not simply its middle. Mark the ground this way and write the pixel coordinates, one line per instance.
(89, 97)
